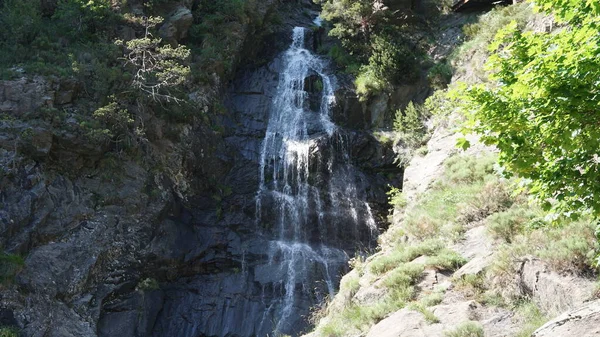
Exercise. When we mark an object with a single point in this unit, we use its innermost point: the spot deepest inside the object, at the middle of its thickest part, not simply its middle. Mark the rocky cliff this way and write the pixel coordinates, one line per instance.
(164, 242)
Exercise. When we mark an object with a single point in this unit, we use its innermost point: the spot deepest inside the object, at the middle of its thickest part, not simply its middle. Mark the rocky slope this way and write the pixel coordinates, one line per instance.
(445, 299)
(455, 260)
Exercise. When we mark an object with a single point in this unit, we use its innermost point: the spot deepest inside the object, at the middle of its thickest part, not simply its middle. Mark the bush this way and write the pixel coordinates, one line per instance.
(446, 259)
(570, 247)
(350, 284)
(531, 316)
(403, 253)
(396, 199)
(391, 62)
(506, 225)
(470, 169)
(430, 318)
(494, 197)
(403, 276)
(367, 83)
(440, 75)
(432, 299)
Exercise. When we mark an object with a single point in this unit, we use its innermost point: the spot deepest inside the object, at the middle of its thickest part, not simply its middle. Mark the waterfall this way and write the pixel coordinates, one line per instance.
(307, 200)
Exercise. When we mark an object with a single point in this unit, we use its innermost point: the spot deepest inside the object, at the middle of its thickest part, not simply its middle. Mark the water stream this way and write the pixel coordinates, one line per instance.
(307, 199)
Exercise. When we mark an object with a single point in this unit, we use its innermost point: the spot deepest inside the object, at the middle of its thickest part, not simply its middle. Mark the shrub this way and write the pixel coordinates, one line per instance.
(422, 226)
(403, 276)
(396, 198)
(469, 169)
(391, 62)
(494, 197)
(440, 75)
(429, 316)
(432, 299)
(471, 285)
(368, 83)
(446, 259)
(506, 225)
(570, 247)
(531, 316)
(350, 284)
(115, 119)
(403, 253)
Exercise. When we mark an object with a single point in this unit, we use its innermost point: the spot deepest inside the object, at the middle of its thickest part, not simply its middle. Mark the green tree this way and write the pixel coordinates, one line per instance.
(542, 110)
(353, 19)
(158, 68)
(410, 125)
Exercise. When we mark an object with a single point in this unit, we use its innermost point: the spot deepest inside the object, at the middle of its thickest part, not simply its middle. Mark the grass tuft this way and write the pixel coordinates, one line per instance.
(467, 329)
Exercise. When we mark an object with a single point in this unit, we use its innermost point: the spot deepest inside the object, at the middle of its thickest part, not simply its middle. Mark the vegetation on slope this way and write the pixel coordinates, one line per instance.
(383, 46)
(123, 70)
(536, 102)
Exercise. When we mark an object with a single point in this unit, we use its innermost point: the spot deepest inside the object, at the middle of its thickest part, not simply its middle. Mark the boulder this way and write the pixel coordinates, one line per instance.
(553, 292)
(25, 95)
(477, 247)
(176, 25)
(66, 92)
(581, 322)
(313, 85)
(36, 142)
(410, 323)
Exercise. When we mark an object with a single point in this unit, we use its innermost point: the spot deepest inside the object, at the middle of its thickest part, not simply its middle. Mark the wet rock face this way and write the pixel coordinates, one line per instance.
(233, 273)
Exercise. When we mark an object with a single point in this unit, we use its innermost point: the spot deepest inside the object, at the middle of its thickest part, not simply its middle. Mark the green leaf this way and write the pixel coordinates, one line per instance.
(463, 143)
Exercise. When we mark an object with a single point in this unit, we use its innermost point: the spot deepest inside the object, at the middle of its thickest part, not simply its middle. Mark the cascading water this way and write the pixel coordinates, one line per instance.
(307, 200)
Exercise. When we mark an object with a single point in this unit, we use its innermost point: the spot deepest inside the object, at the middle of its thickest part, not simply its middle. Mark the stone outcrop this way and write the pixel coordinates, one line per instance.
(583, 321)
(27, 95)
(176, 25)
(553, 292)
(411, 323)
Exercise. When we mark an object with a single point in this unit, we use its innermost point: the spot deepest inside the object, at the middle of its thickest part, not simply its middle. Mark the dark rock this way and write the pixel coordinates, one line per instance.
(67, 91)
(176, 25)
(25, 95)
(313, 85)
(36, 142)
(349, 112)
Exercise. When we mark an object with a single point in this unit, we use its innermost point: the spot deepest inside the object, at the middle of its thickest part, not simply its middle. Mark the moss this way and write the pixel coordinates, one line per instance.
(10, 266)
(8, 331)
(148, 284)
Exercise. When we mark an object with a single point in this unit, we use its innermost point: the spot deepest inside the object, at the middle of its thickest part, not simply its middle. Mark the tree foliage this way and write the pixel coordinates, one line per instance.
(410, 125)
(378, 40)
(158, 67)
(543, 109)
(353, 18)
